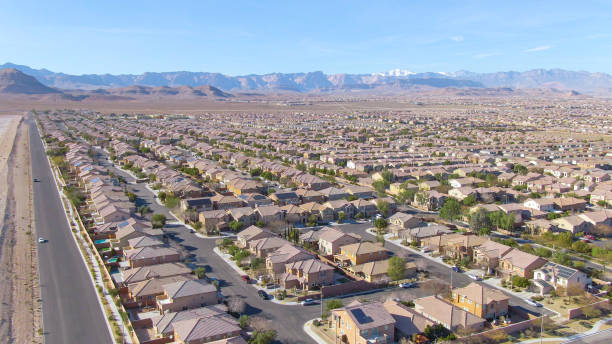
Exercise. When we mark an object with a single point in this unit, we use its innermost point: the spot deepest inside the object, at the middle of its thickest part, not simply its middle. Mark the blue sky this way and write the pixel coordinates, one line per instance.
(236, 37)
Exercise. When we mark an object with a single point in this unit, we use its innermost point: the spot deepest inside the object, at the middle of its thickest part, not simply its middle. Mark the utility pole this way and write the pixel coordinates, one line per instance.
(541, 328)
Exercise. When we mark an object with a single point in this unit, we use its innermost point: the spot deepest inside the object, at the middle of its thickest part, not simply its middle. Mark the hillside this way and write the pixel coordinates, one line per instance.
(12, 81)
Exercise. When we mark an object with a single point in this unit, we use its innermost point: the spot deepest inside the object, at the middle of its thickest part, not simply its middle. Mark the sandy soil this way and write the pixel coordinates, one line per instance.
(20, 314)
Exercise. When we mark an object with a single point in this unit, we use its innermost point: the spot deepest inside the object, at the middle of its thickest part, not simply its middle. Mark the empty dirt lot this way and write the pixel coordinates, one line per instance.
(20, 311)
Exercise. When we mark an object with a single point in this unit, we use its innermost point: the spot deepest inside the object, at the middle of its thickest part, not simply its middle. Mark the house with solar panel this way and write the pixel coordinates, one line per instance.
(360, 323)
(552, 275)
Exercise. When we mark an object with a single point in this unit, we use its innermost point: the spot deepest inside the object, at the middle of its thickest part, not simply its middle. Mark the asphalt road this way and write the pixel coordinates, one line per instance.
(71, 312)
(601, 337)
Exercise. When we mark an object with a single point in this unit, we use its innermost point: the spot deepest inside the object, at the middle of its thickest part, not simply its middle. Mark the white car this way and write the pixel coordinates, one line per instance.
(407, 285)
(42, 240)
(475, 277)
(308, 302)
(533, 303)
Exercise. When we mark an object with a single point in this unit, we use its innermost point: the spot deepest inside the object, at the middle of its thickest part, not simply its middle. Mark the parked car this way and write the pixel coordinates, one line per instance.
(263, 295)
(475, 277)
(533, 303)
(408, 285)
(590, 237)
(36, 180)
(245, 278)
(308, 302)
(42, 240)
(426, 249)
(270, 286)
(456, 269)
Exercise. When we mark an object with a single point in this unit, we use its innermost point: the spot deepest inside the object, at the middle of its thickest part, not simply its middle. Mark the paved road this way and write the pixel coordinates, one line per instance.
(601, 337)
(71, 312)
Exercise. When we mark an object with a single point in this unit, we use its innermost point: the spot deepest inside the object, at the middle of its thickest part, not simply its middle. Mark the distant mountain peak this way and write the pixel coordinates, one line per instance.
(317, 81)
(16, 82)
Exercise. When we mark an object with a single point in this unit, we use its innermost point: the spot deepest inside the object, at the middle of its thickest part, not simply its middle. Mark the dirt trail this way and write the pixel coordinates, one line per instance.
(20, 313)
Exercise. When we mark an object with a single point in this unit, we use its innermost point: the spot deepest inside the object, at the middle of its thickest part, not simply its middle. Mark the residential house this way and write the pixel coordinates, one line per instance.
(450, 316)
(408, 322)
(307, 274)
(376, 271)
(252, 233)
(213, 220)
(571, 204)
(270, 214)
(489, 253)
(295, 214)
(183, 295)
(205, 330)
(519, 263)
(418, 234)
(361, 323)
(573, 223)
(282, 198)
(151, 256)
(278, 260)
(360, 253)
(246, 215)
(483, 302)
(143, 273)
(552, 275)
(542, 204)
(331, 239)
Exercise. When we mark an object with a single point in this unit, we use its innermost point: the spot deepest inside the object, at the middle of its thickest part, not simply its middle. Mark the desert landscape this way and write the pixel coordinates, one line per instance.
(20, 315)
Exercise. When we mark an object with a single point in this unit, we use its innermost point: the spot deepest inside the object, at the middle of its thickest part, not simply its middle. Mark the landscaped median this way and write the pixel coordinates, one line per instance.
(116, 317)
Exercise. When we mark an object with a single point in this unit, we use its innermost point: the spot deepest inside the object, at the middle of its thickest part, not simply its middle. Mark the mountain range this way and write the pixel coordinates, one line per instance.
(584, 82)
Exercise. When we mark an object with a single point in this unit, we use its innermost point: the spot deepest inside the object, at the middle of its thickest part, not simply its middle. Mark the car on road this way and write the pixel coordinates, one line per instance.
(270, 286)
(475, 277)
(308, 302)
(36, 180)
(407, 285)
(42, 240)
(533, 303)
(263, 295)
(426, 249)
(456, 269)
(590, 237)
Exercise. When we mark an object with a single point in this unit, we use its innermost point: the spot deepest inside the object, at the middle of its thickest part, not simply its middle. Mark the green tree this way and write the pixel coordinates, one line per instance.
(200, 272)
(158, 220)
(383, 207)
(380, 224)
(480, 222)
(262, 337)
(341, 217)
(469, 200)
(451, 210)
(235, 226)
(243, 321)
(562, 258)
(520, 169)
(396, 269)
(582, 247)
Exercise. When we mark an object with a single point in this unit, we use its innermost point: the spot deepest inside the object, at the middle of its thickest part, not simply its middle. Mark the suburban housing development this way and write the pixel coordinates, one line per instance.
(364, 228)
